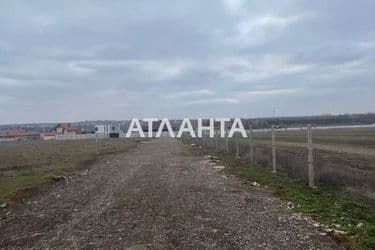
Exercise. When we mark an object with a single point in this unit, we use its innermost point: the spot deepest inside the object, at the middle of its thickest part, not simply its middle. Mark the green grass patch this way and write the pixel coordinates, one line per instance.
(330, 205)
(14, 182)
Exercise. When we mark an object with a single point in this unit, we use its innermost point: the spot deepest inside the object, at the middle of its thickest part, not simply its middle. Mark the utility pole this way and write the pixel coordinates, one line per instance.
(273, 149)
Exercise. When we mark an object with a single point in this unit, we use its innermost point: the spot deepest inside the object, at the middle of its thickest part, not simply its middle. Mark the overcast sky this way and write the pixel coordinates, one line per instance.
(88, 60)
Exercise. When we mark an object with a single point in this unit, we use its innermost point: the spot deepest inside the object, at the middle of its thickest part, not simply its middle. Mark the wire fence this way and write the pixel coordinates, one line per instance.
(340, 157)
(69, 137)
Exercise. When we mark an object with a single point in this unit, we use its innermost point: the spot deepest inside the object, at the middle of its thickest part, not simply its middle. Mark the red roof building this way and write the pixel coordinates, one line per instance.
(66, 128)
(20, 133)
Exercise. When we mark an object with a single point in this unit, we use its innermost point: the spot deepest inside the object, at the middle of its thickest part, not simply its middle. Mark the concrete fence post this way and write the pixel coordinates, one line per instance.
(96, 142)
(237, 146)
(310, 158)
(226, 142)
(273, 149)
(216, 141)
(197, 139)
(251, 143)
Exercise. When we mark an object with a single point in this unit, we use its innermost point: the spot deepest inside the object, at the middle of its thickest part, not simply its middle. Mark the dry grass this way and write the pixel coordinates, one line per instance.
(353, 140)
(31, 163)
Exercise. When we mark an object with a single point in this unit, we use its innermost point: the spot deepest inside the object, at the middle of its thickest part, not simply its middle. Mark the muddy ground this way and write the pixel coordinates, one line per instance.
(159, 195)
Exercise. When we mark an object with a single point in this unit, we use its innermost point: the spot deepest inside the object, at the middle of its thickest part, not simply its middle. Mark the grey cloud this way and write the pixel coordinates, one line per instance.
(76, 60)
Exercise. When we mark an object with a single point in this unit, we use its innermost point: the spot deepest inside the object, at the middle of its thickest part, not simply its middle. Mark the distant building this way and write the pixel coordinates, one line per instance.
(49, 135)
(112, 131)
(65, 129)
(60, 130)
(19, 134)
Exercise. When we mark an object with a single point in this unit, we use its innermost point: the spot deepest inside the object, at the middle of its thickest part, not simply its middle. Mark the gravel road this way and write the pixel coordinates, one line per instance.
(160, 195)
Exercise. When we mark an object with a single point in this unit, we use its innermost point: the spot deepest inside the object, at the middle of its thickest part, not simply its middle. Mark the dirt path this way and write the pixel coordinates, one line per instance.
(161, 196)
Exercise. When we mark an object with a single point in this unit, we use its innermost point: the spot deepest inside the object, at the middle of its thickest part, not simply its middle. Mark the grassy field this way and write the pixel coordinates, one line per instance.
(344, 156)
(350, 140)
(30, 163)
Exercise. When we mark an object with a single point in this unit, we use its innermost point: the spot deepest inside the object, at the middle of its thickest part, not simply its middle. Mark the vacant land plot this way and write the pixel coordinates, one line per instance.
(341, 156)
(160, 195)
(30, 163)
(350, 140)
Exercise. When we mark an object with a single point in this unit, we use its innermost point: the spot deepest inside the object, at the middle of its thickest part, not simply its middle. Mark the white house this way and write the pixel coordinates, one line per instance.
(66, 129)
(112, 131)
